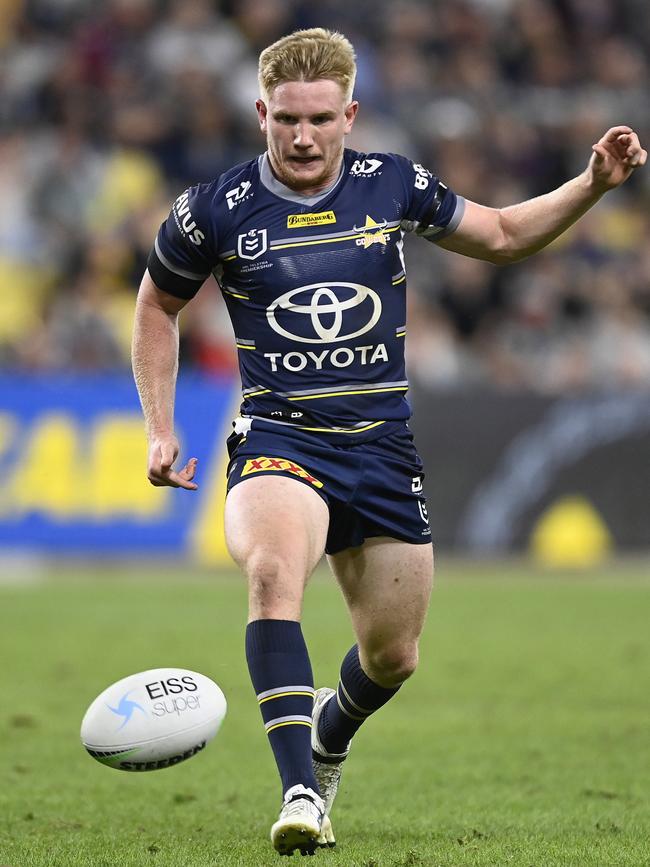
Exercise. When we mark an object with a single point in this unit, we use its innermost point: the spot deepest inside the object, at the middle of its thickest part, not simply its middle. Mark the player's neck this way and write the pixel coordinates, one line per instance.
(317, 191)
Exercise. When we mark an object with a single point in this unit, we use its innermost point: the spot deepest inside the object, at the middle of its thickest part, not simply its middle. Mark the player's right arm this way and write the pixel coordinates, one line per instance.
(178, 265)
(155, 366)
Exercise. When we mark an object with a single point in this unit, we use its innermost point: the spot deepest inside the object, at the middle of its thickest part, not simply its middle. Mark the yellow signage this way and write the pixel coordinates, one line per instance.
(571, 533)
(295, 221)
(68, 472)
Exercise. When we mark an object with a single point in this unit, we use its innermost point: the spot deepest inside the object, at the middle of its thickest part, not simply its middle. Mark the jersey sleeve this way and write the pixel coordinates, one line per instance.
(181, 258)
(432, 209)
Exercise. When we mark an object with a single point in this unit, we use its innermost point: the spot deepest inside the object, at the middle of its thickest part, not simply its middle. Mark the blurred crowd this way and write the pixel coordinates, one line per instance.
(109, 110)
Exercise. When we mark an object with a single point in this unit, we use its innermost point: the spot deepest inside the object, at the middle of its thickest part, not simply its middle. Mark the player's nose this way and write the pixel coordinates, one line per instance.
(302, 136)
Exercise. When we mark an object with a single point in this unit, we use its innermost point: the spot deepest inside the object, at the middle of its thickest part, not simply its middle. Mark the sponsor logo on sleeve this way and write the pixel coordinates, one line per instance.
(264, 464)
(422, 176)
(296, 221)
(239, 194)
(366, 168)
(185, 221)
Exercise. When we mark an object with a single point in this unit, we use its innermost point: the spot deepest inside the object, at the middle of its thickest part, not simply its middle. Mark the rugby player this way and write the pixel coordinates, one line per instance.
(306, 244)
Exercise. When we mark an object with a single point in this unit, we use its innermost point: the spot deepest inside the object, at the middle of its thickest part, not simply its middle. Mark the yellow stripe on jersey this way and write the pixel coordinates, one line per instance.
(400, 280)
(231, 292)
(339, 429)
(331, 240)
(311, 242)
(344, 393)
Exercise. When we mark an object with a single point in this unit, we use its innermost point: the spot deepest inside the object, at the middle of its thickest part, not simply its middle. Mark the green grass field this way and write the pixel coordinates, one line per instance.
(523, 738)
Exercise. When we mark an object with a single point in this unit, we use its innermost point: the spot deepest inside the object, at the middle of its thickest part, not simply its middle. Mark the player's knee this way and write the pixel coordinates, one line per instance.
(392, 664)
(265, 570)
(275, 588)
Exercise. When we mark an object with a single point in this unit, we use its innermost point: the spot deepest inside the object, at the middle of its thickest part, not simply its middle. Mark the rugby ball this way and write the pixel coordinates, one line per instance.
(154, 719)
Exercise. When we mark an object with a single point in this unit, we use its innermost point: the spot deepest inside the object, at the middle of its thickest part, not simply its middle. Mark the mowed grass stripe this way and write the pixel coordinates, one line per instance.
(522, 739)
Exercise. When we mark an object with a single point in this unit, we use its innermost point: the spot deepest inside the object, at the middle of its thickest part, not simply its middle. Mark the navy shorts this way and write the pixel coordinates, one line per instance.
(371, 489)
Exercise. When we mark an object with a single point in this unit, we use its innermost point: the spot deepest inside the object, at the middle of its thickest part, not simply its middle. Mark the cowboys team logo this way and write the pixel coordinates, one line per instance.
(318, 312)
(252, 244)
(371, 233)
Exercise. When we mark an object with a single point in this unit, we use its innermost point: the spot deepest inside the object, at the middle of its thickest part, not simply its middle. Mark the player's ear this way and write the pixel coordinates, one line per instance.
(262, 112)
(350, 114)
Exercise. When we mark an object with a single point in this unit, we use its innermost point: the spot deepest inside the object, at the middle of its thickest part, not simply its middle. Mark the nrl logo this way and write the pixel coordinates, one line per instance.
(252, 244)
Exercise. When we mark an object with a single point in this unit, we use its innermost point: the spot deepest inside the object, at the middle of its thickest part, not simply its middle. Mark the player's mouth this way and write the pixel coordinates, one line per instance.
(306, 162)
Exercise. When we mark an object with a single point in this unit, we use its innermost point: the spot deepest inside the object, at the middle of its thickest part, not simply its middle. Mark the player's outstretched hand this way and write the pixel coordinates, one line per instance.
(615, 157)
(163, 451)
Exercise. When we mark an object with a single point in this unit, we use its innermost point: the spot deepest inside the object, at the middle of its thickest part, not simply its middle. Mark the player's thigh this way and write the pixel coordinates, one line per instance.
(274, 524)
(387, 585)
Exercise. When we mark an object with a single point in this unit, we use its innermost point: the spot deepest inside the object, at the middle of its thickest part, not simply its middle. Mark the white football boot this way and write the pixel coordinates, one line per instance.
(300, 822)
(327, 771)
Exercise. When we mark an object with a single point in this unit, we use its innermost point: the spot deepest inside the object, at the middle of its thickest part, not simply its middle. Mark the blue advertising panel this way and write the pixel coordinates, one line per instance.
(73, 466)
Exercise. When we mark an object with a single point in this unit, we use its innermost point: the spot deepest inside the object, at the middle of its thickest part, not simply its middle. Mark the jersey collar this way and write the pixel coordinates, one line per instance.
(275, 186)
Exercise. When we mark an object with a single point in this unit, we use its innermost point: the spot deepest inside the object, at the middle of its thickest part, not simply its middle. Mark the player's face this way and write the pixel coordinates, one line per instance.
(305, 123)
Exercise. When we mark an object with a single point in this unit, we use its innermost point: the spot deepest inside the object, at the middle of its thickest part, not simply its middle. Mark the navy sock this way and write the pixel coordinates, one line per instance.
(357, 697)
(279, 667)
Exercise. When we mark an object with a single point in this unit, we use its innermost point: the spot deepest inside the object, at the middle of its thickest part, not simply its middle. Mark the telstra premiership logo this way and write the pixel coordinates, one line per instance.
(125, 708)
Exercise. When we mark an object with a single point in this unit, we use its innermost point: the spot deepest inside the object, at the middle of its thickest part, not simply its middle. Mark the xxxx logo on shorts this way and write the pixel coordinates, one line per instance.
(263, 464)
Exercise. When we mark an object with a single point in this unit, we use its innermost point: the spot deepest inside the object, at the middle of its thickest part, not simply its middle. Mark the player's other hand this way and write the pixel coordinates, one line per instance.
(615, 156)
(163, 451)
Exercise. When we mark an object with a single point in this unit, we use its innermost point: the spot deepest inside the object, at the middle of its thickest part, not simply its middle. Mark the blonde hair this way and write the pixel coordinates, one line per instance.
(308, 55)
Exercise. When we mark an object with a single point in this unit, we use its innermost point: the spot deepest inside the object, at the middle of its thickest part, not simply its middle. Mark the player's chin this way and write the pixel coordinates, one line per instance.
(306, 171)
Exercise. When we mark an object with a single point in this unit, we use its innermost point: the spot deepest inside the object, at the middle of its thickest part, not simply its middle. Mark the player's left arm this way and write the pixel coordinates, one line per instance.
(502, 235)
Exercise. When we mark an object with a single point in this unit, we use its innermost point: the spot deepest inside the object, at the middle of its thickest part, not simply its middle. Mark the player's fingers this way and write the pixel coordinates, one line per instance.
(172, 480)
(189, 470)
(600, 153)
(177, 480)
(167, 456)
(614, 132)
(157, 483)
(634, 153)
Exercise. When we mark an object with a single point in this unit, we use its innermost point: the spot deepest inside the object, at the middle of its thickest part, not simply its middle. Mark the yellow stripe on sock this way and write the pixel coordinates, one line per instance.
(283, 694)
(290, 723)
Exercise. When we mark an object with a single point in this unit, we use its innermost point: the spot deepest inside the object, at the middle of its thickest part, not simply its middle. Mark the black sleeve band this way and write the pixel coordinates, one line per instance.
(439, 196)
(168, 281)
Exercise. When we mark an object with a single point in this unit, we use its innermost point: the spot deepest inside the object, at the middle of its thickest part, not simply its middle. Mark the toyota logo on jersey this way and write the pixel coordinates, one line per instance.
(325, 312)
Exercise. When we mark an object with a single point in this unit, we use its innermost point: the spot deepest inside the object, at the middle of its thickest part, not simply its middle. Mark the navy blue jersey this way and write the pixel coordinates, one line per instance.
(315, 286)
